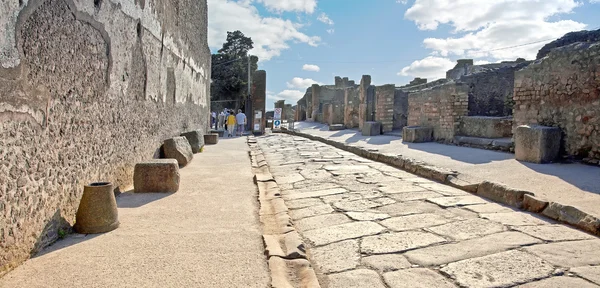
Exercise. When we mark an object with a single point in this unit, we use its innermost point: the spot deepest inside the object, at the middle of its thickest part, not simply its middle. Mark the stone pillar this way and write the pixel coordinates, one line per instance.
(327, 110)
(288, 113)
(316, 100)
(259, 94)
(351, 104)
(365, 82)
(339, 83)
(281, 104)
(384, 96)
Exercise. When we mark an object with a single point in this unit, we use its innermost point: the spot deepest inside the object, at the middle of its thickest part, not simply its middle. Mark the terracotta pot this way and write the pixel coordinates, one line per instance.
(97, 211)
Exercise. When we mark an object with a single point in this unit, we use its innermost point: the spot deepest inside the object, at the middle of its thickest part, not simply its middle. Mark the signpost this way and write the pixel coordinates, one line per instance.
(277, 114)
(276, 124)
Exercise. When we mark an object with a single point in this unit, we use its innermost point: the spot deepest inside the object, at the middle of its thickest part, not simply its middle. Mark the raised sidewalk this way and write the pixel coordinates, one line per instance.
(205, 235)
(574, 184)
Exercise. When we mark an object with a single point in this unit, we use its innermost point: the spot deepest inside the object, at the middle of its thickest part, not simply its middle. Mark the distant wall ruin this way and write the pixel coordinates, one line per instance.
(87, 89)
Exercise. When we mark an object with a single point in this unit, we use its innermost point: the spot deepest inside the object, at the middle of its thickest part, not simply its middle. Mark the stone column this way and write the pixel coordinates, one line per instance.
(316, 100)
(259, 94)
(384, 96)
(365, 82)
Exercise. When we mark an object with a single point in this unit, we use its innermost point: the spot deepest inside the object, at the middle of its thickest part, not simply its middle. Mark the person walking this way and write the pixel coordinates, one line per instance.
(221, 120)
(241, 120)
(214, 120)
(231, 125)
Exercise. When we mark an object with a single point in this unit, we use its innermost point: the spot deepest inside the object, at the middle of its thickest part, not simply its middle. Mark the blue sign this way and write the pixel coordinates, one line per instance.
(277, 122)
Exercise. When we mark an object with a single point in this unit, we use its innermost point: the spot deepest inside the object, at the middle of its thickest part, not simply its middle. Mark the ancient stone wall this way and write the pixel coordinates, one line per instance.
(563, 90)
(351, 105)
(365, 84)
(384, 111)
(400, 109)
(315, 102)
(87, 89)
(441, 107)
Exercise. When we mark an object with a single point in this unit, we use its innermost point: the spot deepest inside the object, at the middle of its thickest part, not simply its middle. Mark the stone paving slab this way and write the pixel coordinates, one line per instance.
(408, 208)
(591, 273)
(446, 253)
(386, 262)
(321, 221)
(303, 203)
(359, 278)
(515, 218)
(559, 282)
(398, 242)
(569, 254)
(416, 221)
(457, 201)
(343, 232)
(314, 194)
(498, 270)
(418, 195)
(554, 233)
(490, 208)
(471, 228)
(416, 278)
(310, 211)
(367, 216)
(337, 257)
(356, 205)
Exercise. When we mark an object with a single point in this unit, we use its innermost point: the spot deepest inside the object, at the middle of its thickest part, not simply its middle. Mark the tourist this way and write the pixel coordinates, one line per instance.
(221, 120)
(214, 119)
(231, 124)
(240, 118)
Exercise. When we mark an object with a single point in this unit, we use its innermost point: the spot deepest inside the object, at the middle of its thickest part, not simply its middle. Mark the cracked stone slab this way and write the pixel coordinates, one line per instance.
(341, 197)
(367, 216)
(383, 200)
(407, 208)
(289, 178)
(468, 229)
(489, 208)
(359, 278)
(315, 174)
(349, 168)
(569, 254)
(444, 189)
(447, 253)
(341, 232)
(498, 270)
(321, 221)
(554, 233)
(336, 257)
(386, 262)
(515, 218)
(401, 188)
(416, 221)
(310, 211)
(303, 203)
(417, 195)
(311, 186)
(314, 193)
(398, 242)
(457, 201)
(416, 278)
(399, 174)
(559, 282)
(591, 273)
(356, 205)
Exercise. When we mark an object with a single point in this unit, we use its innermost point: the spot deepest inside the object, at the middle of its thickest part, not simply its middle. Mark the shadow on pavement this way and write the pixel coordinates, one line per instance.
(462, 154)
(130, 199)
(584, 177)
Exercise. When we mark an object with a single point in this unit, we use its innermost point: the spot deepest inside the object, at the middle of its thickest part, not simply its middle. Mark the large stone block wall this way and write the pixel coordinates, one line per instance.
(87, 89)
(563, 90)
(441, 107)
(384, 111)
(400, 108)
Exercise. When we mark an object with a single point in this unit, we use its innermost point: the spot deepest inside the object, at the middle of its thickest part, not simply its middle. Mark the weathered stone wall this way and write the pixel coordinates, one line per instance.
(365, 83)
(400, 108)
(351, 105)
(316, 100)
(87, 89)
(441, 107)
(563, 90)
(384, 112)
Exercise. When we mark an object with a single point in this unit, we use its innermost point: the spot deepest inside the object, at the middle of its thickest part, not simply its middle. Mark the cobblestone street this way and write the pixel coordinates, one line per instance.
(367, 224)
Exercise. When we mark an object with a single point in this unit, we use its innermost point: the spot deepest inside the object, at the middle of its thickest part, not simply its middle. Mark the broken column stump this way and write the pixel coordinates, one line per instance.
(537, 144)
(178, 148)
(211, 139)
(156, 176)
(196, 140)
(97, 212)
(417, 134)
(371, 128)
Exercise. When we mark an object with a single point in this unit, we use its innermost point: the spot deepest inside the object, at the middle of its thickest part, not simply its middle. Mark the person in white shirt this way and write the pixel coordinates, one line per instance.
(214, 119)
(241, 121)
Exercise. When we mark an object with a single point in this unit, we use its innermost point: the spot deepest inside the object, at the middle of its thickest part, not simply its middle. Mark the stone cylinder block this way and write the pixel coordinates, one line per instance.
(97, 212)
(196, 140)
(156, 176)
(178, 148)
(211, 139)
(537, 144)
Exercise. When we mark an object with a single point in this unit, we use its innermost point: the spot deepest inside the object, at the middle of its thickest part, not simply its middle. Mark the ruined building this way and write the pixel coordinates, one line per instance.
(87, 89)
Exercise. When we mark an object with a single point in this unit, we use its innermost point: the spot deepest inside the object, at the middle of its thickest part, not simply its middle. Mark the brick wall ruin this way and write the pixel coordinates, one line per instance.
(87, 89)
(351, 105)
(441, 107)
(400, 116)
(384, 111)
(563, 90)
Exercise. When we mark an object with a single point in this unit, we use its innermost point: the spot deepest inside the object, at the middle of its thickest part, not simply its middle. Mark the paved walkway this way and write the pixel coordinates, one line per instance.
(205, 235)
(570, 184)
(367, 224)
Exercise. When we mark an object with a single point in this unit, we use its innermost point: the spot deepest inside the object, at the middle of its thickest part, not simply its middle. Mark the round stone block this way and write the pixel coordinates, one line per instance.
(211, 138)
(97, 211)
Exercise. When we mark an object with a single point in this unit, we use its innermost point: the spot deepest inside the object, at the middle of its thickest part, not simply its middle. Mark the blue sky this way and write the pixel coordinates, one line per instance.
(391, 40)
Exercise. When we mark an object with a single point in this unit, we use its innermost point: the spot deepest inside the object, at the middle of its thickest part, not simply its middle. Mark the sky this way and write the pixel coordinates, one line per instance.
(302, 42)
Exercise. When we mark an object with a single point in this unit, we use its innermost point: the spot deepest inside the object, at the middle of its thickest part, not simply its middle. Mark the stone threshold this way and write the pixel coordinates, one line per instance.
(522, 200)
(284, 248)
(497, 144)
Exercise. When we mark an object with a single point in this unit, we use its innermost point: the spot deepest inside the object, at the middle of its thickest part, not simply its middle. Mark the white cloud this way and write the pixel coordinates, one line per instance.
(402, 1)
(310, 67)
(307, 6)
(330, 31)
(431, 68)
(270, 35)
(290, 96)
(302, 83)
(325, 19)
(497, 24)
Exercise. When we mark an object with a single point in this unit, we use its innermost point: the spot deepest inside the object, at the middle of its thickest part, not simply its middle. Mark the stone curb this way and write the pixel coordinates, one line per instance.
(284, 248)
(523, 200)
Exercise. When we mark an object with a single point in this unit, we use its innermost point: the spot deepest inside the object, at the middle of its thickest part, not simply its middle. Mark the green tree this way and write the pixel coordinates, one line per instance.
(229, 71)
